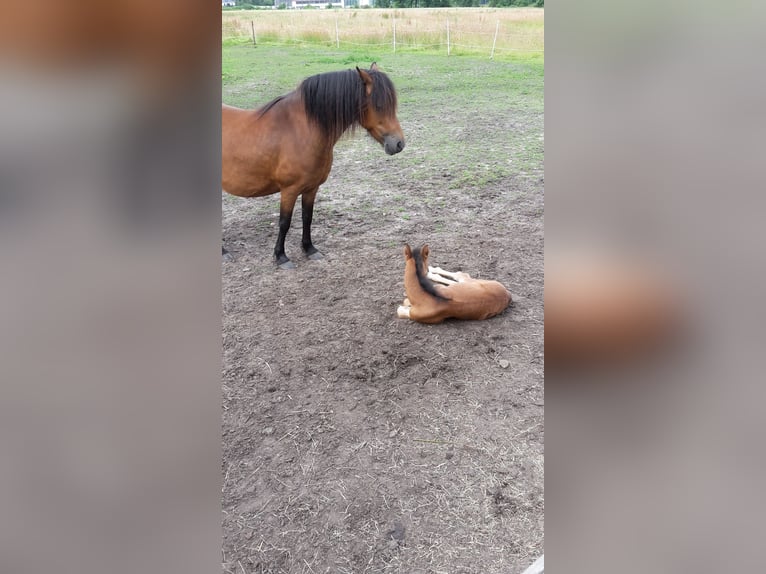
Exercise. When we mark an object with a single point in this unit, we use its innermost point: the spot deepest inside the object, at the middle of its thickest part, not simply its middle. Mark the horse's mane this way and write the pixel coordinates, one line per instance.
(427, 285)
(335, 101)
(266, 107)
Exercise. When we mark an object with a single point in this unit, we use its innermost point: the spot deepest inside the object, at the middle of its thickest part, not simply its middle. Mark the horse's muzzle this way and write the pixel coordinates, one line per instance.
(393, 144)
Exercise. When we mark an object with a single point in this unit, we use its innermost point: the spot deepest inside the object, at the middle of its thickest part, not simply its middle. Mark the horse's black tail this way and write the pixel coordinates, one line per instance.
(427, 285)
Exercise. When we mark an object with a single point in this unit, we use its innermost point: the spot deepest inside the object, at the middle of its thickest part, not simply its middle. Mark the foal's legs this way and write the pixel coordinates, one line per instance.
(439, 274)
(307, 213)
(437, 278)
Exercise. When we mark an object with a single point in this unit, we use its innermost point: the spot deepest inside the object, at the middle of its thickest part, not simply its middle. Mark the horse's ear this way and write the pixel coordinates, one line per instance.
(424, 251)
(367, 79)
(407, 252)
(374, 67)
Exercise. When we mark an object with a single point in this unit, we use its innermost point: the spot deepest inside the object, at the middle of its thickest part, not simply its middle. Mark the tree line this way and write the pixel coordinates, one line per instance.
(418, 3)
(456, 3)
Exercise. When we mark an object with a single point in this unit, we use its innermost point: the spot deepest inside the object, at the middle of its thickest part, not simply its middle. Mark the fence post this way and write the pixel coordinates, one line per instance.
(252, 25)
(394, 32)
(337, 38)
(492, 55)
(448, 46)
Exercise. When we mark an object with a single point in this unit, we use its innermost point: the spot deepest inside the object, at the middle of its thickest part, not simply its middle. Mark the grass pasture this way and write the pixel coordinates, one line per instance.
(440, 99)
(355, 442)
(520, 31)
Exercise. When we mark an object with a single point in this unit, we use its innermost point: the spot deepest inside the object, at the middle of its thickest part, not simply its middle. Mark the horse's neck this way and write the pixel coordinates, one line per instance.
(412, 284)
(341, 122)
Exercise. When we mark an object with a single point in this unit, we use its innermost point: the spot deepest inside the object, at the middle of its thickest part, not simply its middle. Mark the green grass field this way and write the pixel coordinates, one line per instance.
(440, 99)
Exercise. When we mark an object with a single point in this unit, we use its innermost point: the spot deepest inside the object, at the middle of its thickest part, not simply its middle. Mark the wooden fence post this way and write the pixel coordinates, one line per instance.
(394, 32)
(492, 55)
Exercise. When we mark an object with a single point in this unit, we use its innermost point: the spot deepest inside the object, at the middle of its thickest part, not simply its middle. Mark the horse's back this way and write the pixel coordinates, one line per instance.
(243, 172)
(477, 299)
(271, 148)
(232, 119)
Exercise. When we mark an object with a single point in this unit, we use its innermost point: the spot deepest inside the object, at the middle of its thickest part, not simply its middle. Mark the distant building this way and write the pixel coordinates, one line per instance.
(298, 4)
(228, 3)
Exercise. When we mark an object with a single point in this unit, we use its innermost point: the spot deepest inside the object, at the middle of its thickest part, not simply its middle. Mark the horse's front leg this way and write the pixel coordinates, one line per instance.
(457, 277)
(286, 205)
(307, 212)
(437, 277)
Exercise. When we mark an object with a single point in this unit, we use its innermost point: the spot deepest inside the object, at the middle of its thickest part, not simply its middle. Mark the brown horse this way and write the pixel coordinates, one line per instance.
(434, 294)
(286, 146)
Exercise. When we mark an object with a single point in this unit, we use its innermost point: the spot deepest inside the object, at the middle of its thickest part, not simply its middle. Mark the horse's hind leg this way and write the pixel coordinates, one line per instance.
(307, 213)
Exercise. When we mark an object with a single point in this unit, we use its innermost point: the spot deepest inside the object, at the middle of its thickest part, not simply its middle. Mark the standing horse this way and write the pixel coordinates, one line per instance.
(286, 146)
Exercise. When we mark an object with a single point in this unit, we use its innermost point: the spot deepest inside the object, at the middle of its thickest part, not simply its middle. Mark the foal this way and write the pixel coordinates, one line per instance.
(434, 295)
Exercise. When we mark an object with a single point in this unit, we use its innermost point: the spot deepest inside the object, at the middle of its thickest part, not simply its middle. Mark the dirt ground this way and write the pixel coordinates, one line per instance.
(354, 441)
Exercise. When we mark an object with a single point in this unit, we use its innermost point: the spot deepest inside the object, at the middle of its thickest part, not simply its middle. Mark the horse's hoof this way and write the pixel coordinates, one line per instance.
(287, 265)
(316, 256)
(225, 255)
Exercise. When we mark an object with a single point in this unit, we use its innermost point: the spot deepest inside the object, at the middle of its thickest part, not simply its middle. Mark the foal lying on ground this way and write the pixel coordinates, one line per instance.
(434, 295)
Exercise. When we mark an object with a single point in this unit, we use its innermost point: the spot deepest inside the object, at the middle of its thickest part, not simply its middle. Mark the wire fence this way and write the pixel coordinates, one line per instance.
(450, 34)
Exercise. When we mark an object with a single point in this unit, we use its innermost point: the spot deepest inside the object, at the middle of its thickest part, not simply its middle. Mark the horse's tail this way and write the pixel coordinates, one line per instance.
(427, 285)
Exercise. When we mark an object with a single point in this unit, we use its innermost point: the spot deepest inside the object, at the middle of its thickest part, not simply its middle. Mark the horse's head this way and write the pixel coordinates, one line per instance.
(379, 111)
(419, 257)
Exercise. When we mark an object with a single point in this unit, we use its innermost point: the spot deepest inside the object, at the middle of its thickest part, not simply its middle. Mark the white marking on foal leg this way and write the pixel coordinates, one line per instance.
(457, 277)
(403, 312)
(439, 279)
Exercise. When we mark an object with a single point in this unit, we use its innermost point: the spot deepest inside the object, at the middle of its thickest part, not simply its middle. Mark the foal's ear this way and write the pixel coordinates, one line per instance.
(374, 67)
(407, 252)
(367, 79)
(424, 251)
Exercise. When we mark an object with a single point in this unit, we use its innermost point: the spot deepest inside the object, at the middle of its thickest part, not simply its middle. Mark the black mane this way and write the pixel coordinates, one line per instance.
(427, 285)
(335, 101)
(266, 107)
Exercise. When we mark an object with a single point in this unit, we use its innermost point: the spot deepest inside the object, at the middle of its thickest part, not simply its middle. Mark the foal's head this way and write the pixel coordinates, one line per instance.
(379, 111)
(419, 256)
